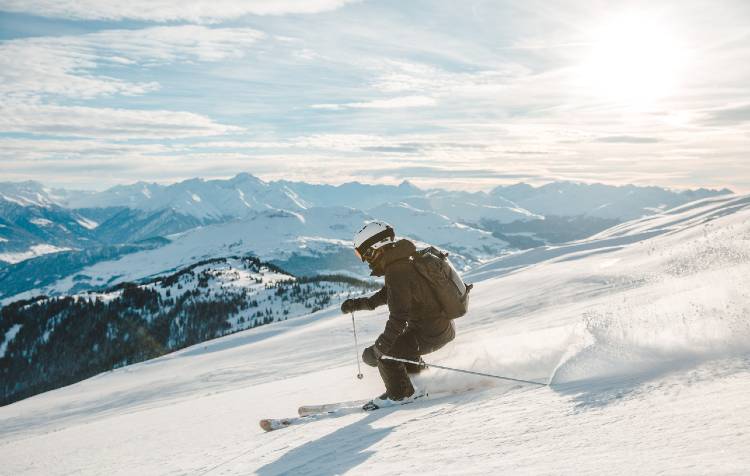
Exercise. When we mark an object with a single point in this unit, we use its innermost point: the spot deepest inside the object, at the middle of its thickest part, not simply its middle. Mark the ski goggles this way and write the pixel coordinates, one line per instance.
(367, 256)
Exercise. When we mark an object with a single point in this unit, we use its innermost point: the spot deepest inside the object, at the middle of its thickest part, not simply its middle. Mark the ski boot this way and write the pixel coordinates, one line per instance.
(384, 402)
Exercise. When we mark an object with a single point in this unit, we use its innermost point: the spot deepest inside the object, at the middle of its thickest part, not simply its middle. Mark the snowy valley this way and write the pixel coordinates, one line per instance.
(642, 331)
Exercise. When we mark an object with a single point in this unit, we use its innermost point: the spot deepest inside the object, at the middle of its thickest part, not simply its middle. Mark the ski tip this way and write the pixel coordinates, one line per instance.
(266, 425)
(270, 424)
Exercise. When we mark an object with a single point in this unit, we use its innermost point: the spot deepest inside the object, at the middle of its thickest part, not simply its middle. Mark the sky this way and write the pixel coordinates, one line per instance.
(452, 94)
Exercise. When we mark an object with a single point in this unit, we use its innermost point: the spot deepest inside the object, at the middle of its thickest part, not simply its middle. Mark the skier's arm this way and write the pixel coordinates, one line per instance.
(399, 305)
(378, 299)
(365, 303)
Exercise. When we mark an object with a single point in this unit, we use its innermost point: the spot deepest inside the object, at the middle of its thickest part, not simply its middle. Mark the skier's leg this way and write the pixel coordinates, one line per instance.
(396, 380)
(394, 374)
(407, 347)
(419, 339)
(434, 334)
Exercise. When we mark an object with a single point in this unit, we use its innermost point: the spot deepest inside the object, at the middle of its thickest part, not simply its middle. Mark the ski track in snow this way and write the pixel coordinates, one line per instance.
(647, 343)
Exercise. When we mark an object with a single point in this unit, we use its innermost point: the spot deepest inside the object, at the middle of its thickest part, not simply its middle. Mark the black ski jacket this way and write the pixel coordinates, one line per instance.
(408, 295)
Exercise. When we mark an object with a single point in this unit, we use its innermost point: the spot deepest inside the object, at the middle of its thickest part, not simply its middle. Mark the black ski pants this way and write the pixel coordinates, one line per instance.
(420, 338)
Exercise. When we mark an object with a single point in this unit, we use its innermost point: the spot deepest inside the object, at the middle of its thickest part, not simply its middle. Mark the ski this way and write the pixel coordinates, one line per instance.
(271, 424)
(306, 410)
(328, 410)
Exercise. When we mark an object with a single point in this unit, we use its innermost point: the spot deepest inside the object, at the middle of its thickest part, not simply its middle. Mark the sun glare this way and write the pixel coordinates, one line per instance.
(633, 60)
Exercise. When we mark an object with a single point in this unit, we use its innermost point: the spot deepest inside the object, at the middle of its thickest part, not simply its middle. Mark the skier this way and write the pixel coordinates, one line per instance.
(416, 325)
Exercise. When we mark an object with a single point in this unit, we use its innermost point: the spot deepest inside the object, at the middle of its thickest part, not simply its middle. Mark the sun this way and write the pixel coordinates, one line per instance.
(632, 59)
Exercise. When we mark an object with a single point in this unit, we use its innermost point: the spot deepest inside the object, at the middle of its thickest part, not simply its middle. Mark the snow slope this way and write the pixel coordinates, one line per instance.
(643, 330)
(33, 251)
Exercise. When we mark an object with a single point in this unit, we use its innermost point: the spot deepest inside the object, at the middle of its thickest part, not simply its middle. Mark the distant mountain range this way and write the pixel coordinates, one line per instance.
(59, 241)
(241, 195)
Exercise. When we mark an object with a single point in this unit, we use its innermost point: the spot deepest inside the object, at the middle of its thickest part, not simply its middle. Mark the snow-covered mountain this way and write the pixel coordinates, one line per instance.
(315, 238)
(30, 276)
(32, 229)
(29, 193)
(598, 200)
(237, 196)
(641, 330)
(199, 198)
(127, 225)
(468, 244)
(472, 207)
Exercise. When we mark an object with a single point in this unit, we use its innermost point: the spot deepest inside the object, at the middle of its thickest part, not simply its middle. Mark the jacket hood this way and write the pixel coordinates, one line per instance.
(402, 249)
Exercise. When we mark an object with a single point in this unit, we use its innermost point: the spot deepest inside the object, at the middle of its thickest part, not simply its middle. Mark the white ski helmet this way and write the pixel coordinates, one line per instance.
(373, 235)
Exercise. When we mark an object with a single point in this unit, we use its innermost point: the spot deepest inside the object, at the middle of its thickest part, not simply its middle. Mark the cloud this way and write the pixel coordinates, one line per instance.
(323, 142)
(65, 65)
(339, 142)
(409, 144)
(393, 149)
(390, 103)
(22, 150)
(439, 172)
(29, 68)
(403, 76)
(428, 84)
(79, 121)
(199, 11)
(729, 116)
(628, 140)
(36, 71)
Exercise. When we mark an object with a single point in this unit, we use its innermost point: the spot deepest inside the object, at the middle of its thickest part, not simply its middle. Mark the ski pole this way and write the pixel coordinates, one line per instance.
(356, 349)
(425, 365)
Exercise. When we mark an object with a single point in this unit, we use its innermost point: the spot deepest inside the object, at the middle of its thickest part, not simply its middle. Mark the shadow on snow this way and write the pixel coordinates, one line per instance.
(335, 453)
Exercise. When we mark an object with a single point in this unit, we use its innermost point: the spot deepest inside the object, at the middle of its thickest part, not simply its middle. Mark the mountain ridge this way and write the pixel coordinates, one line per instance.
(300, 195)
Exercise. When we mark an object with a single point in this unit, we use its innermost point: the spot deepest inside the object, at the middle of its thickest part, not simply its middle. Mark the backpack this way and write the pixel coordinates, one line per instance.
(449, 290)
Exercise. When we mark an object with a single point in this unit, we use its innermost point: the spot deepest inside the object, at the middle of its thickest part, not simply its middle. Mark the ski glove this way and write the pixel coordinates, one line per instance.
(355, 304)
(371, 355)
